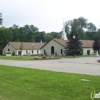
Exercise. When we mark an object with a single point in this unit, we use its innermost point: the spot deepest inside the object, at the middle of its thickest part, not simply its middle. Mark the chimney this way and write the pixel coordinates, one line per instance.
(41, 41)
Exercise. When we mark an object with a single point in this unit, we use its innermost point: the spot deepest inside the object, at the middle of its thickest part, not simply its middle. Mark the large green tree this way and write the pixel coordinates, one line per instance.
(81, 27)
(47, 37)
(74, 46)
(5, 37)
(31, 32)
(91, 27)
(15, 32)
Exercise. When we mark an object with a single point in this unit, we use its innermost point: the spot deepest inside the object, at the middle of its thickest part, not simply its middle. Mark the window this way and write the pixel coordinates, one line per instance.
(37, 51)
(19, 53)
(26, 51)
(32, 51)
(8, 49)
(44, 51)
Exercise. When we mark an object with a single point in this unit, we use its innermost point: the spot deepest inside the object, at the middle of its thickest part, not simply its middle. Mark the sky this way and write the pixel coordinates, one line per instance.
(48, 15)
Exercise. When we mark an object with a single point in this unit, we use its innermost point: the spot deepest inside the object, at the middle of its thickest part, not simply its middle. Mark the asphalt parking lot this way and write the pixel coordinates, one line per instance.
(86, 65)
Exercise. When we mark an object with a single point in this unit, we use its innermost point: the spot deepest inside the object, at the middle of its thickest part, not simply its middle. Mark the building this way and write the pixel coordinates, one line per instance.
(22, 48)
(57, 47)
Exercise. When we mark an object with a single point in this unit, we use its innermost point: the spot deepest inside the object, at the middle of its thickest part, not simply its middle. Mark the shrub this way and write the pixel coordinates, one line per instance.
(55, 53)
(13, 54)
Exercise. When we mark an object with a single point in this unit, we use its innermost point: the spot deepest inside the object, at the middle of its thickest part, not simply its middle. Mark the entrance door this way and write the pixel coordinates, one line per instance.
(19, 53)
(52, 50)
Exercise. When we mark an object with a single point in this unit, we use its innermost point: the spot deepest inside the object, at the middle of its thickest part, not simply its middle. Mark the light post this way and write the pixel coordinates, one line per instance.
(73, 36)
(32, 48)
(74, 46)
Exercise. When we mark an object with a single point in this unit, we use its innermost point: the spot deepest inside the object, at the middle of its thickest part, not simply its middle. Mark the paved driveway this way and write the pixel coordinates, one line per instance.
(86, 65)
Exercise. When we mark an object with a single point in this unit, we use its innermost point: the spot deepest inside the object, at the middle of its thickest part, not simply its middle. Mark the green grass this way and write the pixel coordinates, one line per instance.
(31, 84)
(23, 57)
(17, 57)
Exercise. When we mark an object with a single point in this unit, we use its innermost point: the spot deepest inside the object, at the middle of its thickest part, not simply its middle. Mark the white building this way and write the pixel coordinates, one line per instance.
(57, 47)
(53, 47)
(28, 48)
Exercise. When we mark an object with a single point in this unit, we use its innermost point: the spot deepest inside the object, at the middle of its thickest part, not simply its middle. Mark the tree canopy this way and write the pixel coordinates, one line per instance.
(84, 29)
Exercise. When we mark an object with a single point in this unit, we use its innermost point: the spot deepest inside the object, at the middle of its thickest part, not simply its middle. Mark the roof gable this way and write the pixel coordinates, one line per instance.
(61, 41)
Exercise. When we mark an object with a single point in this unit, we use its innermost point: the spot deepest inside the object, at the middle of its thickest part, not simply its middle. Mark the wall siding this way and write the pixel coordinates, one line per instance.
(85, 51)
(8, 46)
(57, 48)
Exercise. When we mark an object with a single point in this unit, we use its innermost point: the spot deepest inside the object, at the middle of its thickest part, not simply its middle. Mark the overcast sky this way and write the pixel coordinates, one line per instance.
(48, 15)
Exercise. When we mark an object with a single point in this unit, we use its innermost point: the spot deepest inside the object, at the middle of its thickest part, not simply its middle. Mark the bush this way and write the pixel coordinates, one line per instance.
(43, 56)
(13, 54)
(55, 53)
(46, 54)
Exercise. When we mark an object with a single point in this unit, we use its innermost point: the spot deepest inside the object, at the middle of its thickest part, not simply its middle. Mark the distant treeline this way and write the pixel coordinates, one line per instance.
(30, 33)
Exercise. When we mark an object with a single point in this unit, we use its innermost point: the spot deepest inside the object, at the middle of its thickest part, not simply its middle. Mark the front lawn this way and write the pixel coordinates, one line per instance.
(31, 84)
(17, 57)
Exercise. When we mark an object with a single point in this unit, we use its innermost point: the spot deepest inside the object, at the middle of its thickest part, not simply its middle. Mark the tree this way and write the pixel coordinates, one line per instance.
(81, 25)
(47, 37)
(56, 34)
(39, 37)
(5, 37)
(91, 27)
(96, 44)
(22, 35)
(31, 32)
(74, 46)
(15, 32)
(78, 24)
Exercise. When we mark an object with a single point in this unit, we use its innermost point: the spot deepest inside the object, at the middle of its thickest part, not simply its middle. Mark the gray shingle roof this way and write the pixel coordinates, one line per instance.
(85, 43)
(27, 45)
